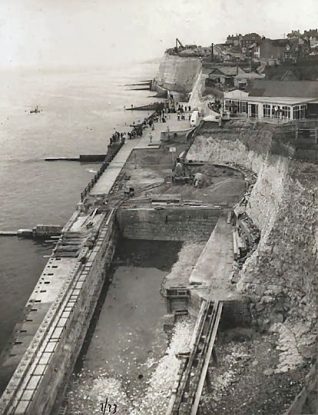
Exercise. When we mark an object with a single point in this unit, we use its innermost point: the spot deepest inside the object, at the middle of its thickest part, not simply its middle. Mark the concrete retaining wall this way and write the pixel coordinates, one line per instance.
(174, 136)
(70, 344)
(168, 224)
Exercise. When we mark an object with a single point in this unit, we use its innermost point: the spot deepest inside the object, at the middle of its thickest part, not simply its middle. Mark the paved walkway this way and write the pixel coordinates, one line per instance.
(108, 178)
(172, 123)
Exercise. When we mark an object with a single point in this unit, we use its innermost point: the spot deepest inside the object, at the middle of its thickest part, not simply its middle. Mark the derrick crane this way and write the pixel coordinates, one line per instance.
(179, 44)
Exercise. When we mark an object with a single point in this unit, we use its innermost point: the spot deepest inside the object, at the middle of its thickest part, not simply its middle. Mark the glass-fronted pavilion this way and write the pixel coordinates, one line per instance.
(284, 108)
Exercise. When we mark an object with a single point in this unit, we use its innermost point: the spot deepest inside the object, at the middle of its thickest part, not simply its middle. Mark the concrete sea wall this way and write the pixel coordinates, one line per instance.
(42, 374)
(280, 277)
(178, 73)
(168, 224)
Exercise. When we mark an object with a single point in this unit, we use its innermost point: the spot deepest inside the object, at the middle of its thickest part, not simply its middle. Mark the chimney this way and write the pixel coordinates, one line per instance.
(212, 52)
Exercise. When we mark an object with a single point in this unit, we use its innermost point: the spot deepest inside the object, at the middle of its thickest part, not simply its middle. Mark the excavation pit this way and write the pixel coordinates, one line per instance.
(167, 232)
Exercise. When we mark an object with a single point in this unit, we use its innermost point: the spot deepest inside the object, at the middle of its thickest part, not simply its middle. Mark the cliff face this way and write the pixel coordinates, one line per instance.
(178, 73)
(280, 277)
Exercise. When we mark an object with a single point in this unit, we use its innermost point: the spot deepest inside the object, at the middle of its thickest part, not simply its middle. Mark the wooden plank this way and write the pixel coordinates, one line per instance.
(195, 405)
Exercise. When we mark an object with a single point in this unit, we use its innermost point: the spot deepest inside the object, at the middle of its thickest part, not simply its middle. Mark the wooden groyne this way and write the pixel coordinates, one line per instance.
(83, 158)
(37, 232)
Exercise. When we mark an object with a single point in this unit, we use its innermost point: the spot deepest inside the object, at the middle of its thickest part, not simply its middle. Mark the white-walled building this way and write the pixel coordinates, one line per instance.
(274, 100)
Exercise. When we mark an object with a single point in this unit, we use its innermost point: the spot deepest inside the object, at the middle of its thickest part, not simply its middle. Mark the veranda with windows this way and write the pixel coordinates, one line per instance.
(285, 108)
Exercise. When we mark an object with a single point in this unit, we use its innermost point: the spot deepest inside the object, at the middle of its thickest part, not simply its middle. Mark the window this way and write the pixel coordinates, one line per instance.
(276, 111)
(303, 111)
(266, 110)
(286, 112)
(232, 106)
(235, 106)
(299, 112)
(243, 107)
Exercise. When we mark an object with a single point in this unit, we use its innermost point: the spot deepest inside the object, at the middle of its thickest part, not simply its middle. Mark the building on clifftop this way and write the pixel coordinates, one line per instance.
(274, 100)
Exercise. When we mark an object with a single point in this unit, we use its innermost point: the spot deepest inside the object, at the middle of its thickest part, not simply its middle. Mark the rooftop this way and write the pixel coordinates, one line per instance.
(249, 75)
(280, 100)
(227, 70)
(301, 89)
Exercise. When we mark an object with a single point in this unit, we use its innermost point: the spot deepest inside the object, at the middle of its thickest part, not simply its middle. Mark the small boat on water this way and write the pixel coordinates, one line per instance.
(35, 110)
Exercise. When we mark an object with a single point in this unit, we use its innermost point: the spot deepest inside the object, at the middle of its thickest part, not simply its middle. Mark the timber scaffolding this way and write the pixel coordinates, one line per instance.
(193, 372)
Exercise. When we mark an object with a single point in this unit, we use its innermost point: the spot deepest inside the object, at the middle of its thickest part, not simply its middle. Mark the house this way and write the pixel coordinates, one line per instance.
(275, 51)
(233, 40)
(249, 40)
(223, 75)
(312, 37)
(313, 40)
(280, 100)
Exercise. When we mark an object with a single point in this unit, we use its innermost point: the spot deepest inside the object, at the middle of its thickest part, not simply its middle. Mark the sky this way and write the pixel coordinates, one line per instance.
(59, 33)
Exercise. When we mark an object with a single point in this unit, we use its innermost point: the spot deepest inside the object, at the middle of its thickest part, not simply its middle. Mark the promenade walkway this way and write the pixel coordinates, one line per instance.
(108, 178)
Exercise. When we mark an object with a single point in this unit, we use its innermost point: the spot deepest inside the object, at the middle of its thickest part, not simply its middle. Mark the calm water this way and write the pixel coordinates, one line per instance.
(80, 112)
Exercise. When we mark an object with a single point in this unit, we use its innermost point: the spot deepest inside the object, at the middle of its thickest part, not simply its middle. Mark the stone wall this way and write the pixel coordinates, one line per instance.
(168, 224)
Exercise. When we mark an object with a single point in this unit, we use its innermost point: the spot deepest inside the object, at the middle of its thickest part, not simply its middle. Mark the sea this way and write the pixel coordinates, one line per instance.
(79, 110)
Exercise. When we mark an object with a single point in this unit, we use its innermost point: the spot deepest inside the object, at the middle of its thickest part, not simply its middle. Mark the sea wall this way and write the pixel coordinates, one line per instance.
(168, 224)
(178, 73)
(62, 364)
(39, 381)
(280, 277)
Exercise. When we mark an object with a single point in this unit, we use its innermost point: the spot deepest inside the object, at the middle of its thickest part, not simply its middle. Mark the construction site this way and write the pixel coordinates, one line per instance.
(185, 282)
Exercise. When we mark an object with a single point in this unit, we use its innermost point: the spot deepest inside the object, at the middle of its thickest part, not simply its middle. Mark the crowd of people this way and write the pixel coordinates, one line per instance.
(137, 131)
(161, 115)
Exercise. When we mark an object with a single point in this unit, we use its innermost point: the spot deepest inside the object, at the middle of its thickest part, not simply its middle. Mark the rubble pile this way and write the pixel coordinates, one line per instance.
(247, 379)
(91, 389)
(158, 392)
